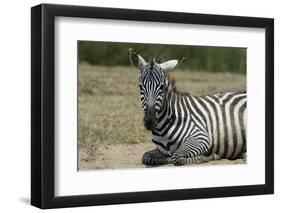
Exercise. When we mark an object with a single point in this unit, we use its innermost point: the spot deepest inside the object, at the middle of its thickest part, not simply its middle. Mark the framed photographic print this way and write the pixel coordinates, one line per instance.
(139, 106)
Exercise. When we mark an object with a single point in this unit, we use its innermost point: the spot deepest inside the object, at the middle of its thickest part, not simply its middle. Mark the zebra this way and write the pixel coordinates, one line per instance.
(188, 129)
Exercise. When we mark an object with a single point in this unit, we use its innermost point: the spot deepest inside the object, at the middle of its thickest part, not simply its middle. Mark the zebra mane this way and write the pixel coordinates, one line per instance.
(155, 60)
(173, 87)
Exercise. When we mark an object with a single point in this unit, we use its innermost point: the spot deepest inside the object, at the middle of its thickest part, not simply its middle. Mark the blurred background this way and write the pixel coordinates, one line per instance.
(111, 131)
(213, 59)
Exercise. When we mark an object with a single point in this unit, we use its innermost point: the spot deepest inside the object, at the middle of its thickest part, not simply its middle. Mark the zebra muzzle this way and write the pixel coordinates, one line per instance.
(149, 119)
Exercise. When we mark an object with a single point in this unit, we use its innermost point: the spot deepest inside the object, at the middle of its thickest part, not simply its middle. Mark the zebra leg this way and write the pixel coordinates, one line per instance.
(192, 151)
(200, 159)
(155, 157)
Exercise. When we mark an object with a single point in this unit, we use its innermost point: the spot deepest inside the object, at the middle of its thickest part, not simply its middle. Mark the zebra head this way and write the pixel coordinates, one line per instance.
(153, 84)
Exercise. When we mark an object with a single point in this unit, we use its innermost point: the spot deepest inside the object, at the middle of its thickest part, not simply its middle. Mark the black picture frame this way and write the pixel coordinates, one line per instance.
(43, 102)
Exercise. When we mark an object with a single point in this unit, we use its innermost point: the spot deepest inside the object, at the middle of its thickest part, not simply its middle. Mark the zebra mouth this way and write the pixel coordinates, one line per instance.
(150, 124)
(150, 118)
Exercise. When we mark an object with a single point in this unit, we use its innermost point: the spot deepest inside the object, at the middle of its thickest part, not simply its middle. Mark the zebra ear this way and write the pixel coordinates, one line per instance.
(136, 59)
(171, 65)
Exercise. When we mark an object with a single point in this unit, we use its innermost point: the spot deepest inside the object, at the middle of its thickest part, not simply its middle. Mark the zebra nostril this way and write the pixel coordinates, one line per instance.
(150, 120)
(150, 124)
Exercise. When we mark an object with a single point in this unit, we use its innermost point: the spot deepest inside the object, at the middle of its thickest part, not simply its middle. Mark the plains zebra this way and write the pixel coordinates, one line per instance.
(188, 129)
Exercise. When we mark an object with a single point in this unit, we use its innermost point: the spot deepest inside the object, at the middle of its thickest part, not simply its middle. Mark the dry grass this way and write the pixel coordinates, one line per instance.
(110, 112)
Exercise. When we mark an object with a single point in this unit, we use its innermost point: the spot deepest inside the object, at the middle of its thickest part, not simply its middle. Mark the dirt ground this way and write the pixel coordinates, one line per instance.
(124, 156)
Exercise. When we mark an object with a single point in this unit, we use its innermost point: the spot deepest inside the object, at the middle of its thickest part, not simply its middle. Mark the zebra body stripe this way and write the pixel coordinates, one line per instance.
(221, 121)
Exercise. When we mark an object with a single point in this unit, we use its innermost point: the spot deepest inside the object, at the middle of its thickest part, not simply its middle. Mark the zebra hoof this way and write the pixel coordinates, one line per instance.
(154, 158)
